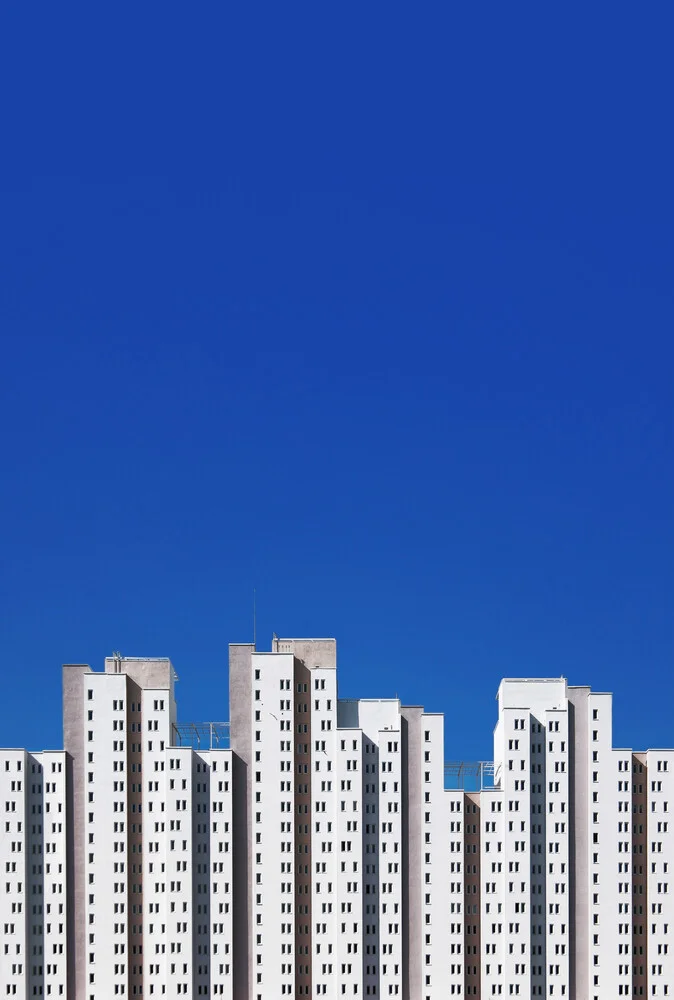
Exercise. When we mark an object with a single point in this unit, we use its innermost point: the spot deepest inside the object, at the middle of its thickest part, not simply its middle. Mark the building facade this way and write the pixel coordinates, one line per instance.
(318, 847)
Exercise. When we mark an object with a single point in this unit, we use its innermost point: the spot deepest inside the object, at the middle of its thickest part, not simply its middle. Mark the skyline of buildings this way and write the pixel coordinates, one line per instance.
(315, 847)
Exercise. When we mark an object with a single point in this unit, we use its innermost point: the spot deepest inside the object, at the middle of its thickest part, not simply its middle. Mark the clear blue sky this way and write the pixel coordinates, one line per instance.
(368, 306)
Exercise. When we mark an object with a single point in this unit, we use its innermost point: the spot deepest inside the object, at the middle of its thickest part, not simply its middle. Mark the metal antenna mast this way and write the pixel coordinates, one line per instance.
(254, 620)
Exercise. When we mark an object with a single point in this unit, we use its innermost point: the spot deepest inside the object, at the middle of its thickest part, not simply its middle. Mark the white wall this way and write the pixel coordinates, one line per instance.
(327, 882)
(274, 820)
(107, 722)
(222, 859)
(658, 918)
(14, 919)
(49, 949)
(355, 769)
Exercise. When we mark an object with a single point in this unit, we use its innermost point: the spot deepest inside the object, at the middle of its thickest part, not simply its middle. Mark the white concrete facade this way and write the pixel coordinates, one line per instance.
(323, 855)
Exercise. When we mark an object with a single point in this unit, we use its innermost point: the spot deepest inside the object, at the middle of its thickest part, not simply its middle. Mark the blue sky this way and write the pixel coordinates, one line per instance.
(368, 307)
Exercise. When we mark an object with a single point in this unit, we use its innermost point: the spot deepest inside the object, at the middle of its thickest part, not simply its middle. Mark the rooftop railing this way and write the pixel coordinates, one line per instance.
(459, 775)
(471, 775)
(201, 735)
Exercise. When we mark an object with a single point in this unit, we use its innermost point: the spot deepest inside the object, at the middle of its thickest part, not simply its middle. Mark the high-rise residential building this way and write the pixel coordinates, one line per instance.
(320, 847)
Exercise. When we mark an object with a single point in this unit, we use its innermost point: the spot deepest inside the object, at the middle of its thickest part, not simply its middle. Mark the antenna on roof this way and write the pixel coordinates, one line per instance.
(254, 620)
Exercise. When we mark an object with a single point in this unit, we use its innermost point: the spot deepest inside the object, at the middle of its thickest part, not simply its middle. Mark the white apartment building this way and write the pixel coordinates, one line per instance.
(318, 847)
